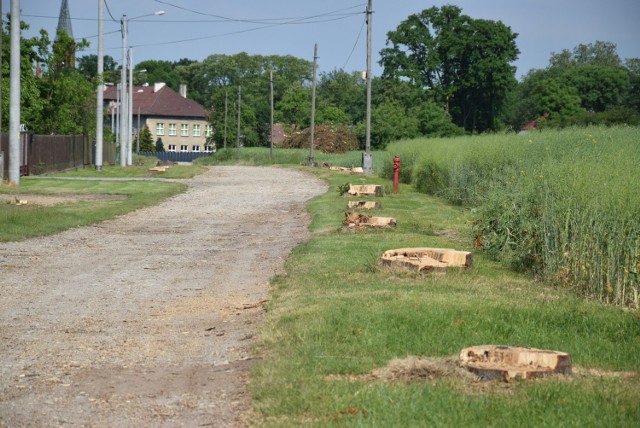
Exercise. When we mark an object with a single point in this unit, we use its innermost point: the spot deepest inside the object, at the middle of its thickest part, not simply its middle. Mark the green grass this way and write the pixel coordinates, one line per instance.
(336, 315)
(139, 169)
(259, 156)
(26, 221)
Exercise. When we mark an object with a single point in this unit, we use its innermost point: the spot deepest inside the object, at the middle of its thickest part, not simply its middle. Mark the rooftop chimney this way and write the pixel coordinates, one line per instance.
(183, 90)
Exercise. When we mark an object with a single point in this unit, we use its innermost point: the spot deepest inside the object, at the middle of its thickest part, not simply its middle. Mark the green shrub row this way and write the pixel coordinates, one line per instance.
(564, 205)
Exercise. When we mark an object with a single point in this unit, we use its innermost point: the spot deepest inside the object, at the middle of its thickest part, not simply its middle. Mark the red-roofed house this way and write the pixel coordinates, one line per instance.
(181, 123)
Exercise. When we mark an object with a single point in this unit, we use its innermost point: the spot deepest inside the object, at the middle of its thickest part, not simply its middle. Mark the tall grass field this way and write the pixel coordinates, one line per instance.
(564, 205)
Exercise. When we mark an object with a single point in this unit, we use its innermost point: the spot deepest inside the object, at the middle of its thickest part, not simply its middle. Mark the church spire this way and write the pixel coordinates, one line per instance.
(64, 21)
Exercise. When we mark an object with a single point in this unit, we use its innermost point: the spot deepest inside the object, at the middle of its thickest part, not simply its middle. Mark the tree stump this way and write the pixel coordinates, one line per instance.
(492, 362)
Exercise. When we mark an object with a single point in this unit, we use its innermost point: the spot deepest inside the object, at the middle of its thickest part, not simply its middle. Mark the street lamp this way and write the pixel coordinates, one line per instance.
(125, 134)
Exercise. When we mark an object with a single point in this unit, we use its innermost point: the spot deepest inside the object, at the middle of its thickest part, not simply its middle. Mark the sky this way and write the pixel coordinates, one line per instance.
(195, 29)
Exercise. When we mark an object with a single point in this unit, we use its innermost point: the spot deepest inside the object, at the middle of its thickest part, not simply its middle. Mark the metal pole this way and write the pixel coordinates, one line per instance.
(14, 96)
(313, 102)
(123, 98)
(238, 135)
(100, 94)
(130, 110)
(271, 100)
(367, 160)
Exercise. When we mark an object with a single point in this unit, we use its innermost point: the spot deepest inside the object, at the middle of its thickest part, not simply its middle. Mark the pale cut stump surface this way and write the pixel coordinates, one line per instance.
(141, 320)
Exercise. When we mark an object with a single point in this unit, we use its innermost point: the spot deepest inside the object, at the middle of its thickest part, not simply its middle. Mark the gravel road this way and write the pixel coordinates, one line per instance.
(148, 319)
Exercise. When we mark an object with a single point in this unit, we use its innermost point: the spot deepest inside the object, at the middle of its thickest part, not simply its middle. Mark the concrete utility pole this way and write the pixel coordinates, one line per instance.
(367, 160)
(238, 134)
(1, 33)
(14, 96)
(271, 120)
(313, 102)
(130, 111)
(123, 97)
(100, 93)
(226, 110)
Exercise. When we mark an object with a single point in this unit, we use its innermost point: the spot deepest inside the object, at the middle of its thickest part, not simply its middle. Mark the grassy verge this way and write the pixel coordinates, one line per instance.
(139, 169)
(336, 316)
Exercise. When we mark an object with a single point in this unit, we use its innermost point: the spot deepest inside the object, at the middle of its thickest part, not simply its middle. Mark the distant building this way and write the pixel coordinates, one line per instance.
(181, 123)
(64, 25)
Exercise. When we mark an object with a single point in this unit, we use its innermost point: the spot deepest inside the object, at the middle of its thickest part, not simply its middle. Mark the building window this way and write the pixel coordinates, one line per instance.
(184, 130)
(172, 129)
(196, 148)
(208, 149)
(209, 131)
(196, 130)
(160, 129)
(184, 148)
(172, 147)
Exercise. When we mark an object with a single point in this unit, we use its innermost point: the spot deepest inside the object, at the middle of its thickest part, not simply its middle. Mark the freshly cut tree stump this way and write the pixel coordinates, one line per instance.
(352, 170)
(364, 205)
(365, 190)
(427, 259)
(492, 362)
(357, 220)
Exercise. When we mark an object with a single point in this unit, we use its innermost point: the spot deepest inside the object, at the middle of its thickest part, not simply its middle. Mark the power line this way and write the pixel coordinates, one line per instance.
(364, 21)
(109, 11)
(259, 21)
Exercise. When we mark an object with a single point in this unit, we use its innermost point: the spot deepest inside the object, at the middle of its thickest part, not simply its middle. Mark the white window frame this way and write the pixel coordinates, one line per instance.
(160, 128)
(196, 129)
(184, 148)
(195, 149)
(208, 131)
(172, 148)
(184, 129)
(172, 130)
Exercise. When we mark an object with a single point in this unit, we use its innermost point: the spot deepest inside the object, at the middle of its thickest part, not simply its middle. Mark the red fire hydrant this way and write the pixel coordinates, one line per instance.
(396, 173)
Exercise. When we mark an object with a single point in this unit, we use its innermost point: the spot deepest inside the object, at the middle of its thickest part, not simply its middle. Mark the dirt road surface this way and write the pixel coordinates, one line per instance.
(148, 319)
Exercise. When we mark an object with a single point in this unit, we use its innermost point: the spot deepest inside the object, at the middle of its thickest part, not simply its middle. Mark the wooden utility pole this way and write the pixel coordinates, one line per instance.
(313, 103)
(367, 160)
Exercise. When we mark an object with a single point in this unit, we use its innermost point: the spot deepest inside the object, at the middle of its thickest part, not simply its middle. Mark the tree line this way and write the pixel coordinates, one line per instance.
(444, 74)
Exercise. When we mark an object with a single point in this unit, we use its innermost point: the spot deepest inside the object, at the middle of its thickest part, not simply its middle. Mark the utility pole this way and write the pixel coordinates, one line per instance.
(14, 96)
(367, 160)
(123, 98)
(130, 110)
(271, 101)
(226, 109)
(238, 134)
(100, 93)
(313, 102)
(1, 33)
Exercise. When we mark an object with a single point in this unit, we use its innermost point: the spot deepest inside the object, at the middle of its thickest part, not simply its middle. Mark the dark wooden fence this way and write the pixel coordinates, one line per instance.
(46, 153)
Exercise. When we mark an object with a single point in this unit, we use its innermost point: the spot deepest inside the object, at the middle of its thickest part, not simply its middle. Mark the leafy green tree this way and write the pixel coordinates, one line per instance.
(600, 53)
(218, 76)
(633, 68)
(338, 89)
(69, 97)
(88, 66)
(599, 87)
(558, 100)
(464, 63)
